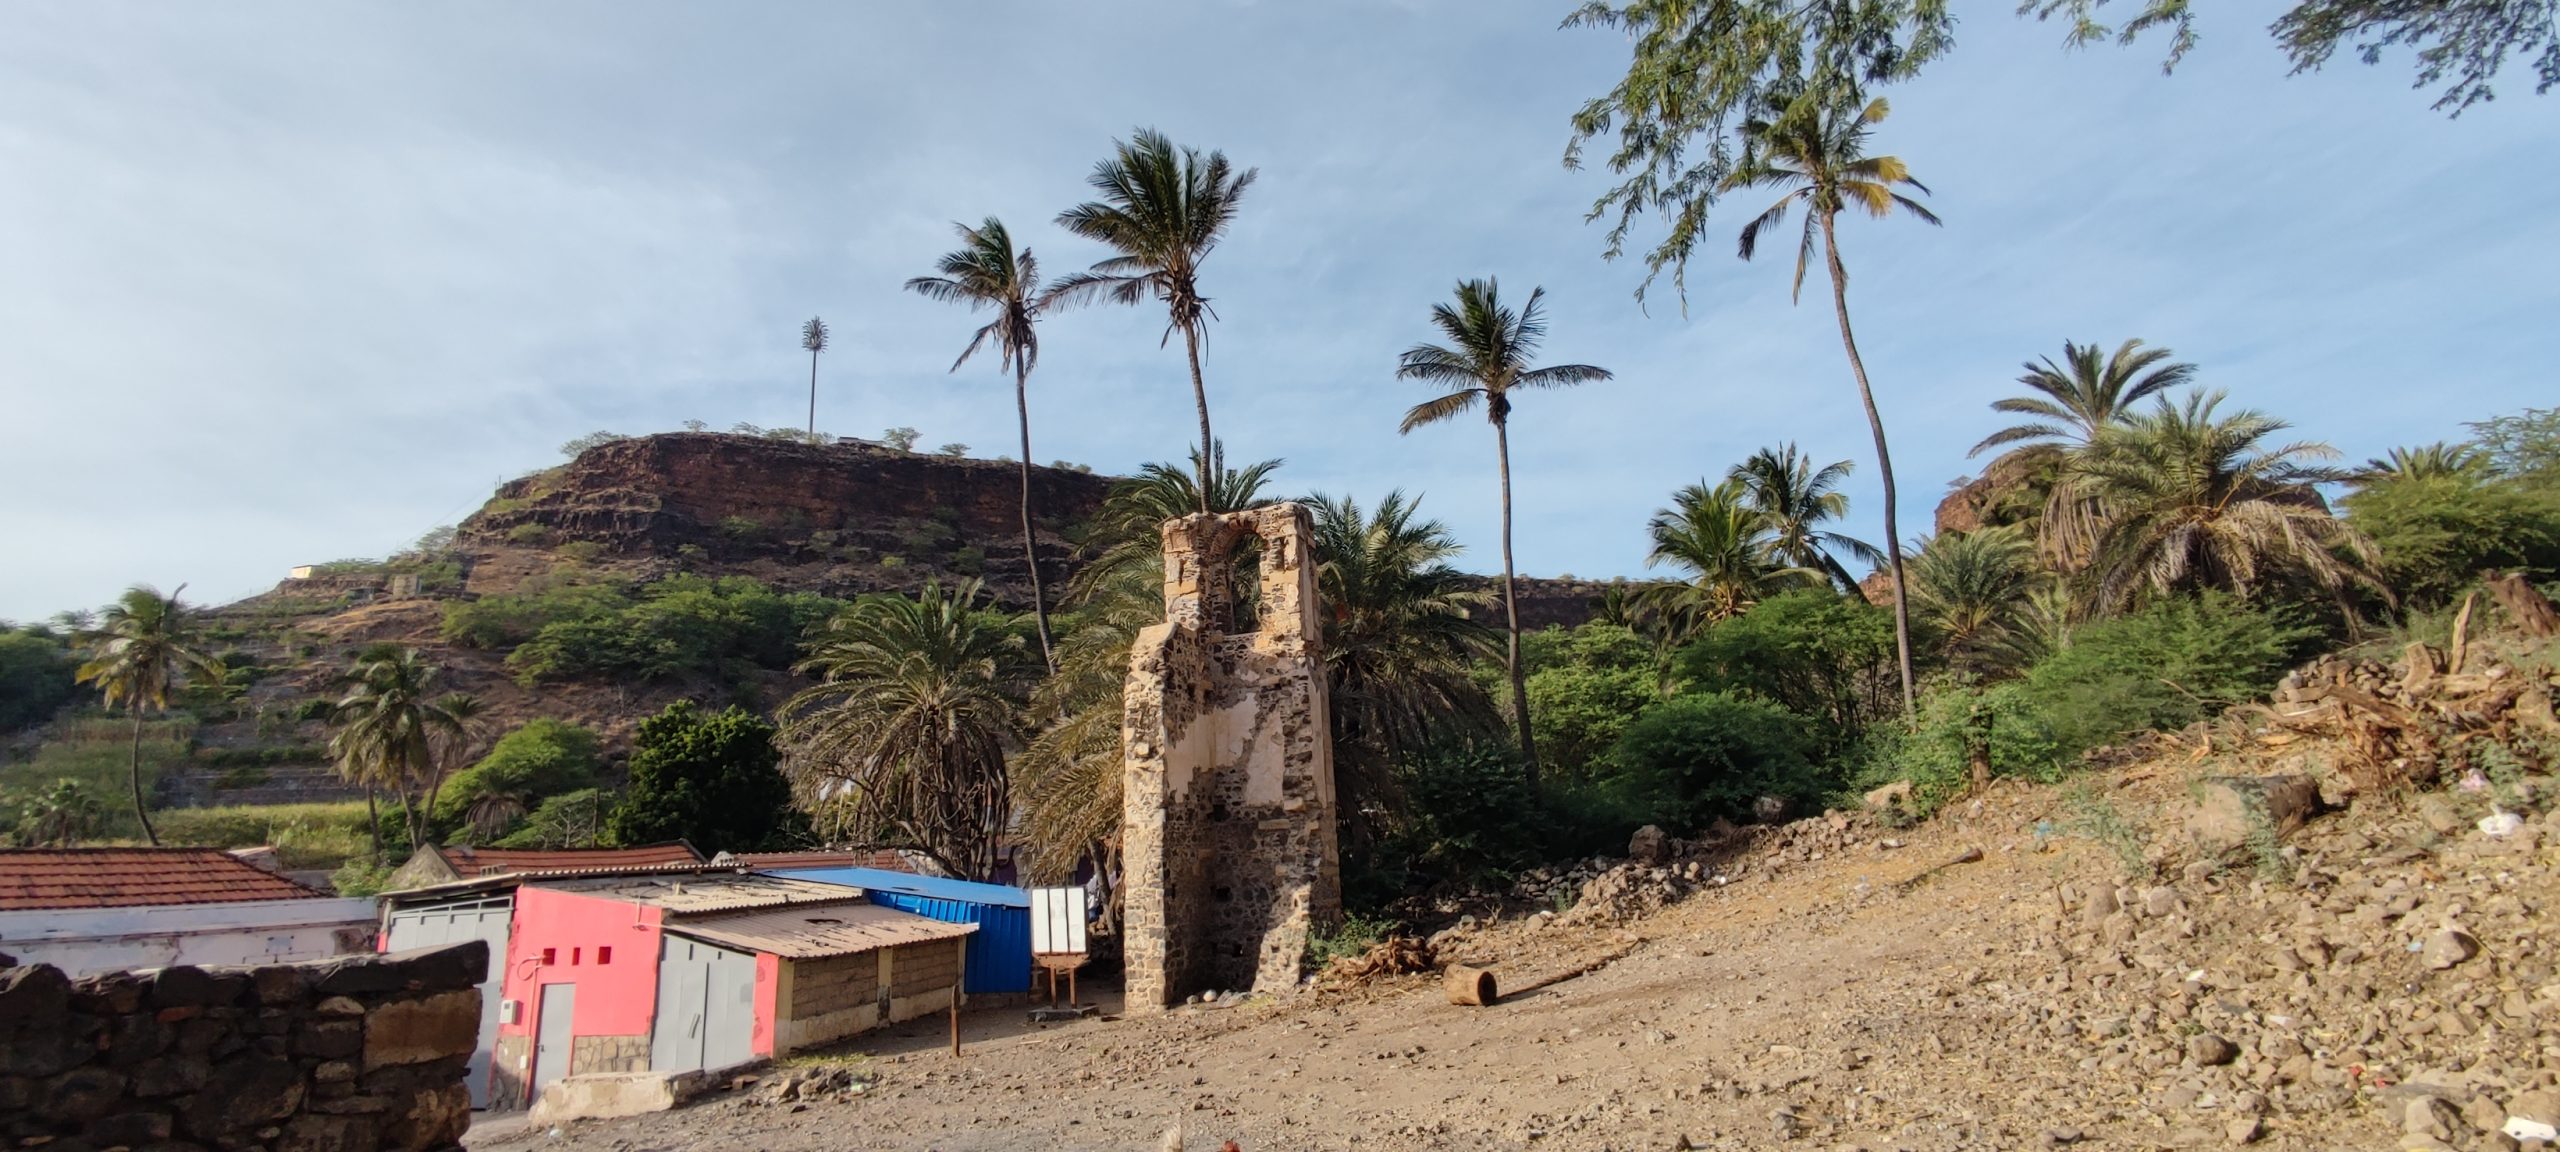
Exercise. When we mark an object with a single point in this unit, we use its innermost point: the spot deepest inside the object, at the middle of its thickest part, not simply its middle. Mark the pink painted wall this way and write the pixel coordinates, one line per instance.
(768, 1000)
(616, 997)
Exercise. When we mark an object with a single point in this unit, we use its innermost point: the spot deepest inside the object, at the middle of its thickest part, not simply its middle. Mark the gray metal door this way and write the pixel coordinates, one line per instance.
(481, 919)
(706, 1007)
(553, 1035)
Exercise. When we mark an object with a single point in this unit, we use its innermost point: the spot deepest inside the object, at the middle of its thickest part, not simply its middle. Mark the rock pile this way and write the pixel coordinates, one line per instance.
(2366, 726)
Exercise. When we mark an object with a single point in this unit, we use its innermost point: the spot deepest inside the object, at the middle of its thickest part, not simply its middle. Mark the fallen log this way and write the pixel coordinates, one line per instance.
(1473, 987)
(2231, 811)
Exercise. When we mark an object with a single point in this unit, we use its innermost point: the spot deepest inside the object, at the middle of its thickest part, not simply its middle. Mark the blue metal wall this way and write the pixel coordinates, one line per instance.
(999, 952)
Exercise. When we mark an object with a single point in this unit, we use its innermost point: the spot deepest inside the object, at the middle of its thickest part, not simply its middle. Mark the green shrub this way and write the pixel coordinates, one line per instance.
(683, 624)
(508, 620)
(2437, 534)
(1349, 940)
(712, 780)
(96, 753)
(306, 836)
(2169, 665)
(541, 758)
(1962, 726)
(36, 669)
(529, 534)
(1812, 652)
(361, 877)
(1578, 713)
(568, 820)
(1700, 757)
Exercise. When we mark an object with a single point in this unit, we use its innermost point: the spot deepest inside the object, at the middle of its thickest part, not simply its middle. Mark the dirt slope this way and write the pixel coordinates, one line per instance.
(1828, 995)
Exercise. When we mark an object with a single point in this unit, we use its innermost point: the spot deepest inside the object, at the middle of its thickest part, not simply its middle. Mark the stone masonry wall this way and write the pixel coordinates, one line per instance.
(1228, 817)
(356, 1054)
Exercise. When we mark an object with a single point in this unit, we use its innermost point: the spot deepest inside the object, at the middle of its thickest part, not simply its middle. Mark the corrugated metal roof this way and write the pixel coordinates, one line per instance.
(703, 892)
(886, 859)
(935, 887)
(41, 878)
(811, 933)
(468, 862)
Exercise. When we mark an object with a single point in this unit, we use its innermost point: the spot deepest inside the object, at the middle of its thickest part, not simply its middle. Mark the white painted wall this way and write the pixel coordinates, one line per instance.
(85, 940)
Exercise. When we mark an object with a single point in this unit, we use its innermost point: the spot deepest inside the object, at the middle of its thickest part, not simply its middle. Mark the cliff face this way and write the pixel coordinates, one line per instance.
(836, 518)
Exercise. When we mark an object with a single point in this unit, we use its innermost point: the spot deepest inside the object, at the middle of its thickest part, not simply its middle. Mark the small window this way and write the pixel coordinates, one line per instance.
(574, 954)
(550, 956)
(604, 954)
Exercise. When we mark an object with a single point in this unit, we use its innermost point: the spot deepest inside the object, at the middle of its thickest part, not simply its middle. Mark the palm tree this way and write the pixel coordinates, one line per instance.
(1162, 210)
(813, 336)
(138, 654)
(903, 738)
(2427, 462)
(986, 273)
(1724, 544)
(392, 732)
(2187, 499)
(1817, 153)
(1399, 637)
(1494, 346)
(1798, 499)
(1969, 588)
(2069, 404)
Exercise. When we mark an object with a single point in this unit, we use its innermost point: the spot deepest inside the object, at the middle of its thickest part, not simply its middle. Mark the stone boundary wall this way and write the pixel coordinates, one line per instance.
(355, 1054)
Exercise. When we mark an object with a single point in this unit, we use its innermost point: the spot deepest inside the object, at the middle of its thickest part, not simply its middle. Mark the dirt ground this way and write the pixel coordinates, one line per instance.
(1835, 992)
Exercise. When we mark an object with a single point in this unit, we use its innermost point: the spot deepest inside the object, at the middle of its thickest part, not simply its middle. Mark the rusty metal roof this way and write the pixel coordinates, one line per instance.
(52, 878)
(468, 862)
(809, 933)
(703, 892)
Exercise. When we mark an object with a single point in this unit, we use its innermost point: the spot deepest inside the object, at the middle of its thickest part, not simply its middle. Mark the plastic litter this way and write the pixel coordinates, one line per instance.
(2499, 825)
(2522, 1129)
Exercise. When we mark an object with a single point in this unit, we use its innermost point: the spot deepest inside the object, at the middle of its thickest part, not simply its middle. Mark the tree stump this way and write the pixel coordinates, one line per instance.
(1473, 987)
(2525, 604)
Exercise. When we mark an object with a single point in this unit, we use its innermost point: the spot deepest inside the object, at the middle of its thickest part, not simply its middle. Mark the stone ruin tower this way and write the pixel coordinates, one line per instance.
(1228, 824)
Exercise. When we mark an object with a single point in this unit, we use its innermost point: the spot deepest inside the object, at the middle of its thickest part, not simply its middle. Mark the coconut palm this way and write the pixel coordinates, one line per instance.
(813, 336)
(1798, 499)
(140, 651)
(1968, 587)
(2190, 499)
(1163, 209)
(986, 273)
(2427, 462)
(1399, 637)
(391, 731)
(1723, 543)
(1493, 347)
(903, 738)
(1816, 151)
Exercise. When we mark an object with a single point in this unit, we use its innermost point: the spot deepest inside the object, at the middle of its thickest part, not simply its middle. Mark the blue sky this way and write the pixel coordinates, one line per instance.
(285, 283)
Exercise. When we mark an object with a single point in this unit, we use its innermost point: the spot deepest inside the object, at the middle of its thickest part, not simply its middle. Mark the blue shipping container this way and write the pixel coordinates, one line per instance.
(999, 952)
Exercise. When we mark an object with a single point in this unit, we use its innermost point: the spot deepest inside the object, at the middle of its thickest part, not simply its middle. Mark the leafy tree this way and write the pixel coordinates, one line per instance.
(709, 780)
(578, 447)
(392, 732)
(1590, 683)
(142, 649)
(1468, 807)
(986, 273)
(955, 450)
(1721, 541)
(2189, 500)
(1813, 652)
(1163, 209)
(813, 337)
(38, 675)
(2068, 406)
(2525, 446)
(1493, 349)
(2436, 531)
(1399, 638)
(1701, 757)
(539, 759)
(2467, 43)
(684, 624)
(1797, 499)
(1968, 589)
(900, 439)
(1817, 151)
(903, 739)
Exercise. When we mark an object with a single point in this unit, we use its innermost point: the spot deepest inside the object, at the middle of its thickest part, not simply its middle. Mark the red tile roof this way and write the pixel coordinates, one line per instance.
(41, 878)
(472, 863)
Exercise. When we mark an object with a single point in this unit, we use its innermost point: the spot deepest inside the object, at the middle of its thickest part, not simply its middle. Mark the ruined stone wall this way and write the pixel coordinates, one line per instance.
(1228, 817)
(356, 1054)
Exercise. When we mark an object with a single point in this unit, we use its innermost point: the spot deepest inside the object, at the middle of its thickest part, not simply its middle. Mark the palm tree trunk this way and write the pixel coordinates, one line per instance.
(1511, 616)
(813, 395)
(1884, 471)
(1200, 396)
(1030, 545)
(141, 811)
(373, 823)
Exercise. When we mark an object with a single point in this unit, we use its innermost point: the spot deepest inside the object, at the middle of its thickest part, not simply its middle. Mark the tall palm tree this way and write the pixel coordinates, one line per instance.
(1162, 210)
(813, 336)
(2189, 499)
(986, 273)
(2067, 406)
(141, 649)
(903, 738)
(1399, 638)
(1722, 541)
(1798, 499)
(1816, 151)
(1493, 349)
(1969, 587)
(393, 732)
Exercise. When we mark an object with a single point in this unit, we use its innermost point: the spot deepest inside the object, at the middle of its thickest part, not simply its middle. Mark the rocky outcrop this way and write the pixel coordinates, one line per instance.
(839, 517)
